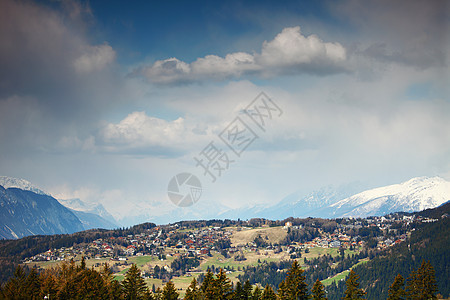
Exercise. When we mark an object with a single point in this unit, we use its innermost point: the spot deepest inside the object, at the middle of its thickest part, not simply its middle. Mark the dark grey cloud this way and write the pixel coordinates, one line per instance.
(53, 82)
(413, 33)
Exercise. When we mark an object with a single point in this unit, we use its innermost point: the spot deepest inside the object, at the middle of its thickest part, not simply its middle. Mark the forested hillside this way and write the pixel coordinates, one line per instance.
(428, 242)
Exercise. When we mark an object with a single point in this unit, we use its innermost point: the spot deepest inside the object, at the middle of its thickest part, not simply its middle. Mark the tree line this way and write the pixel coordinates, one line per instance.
(70, 281)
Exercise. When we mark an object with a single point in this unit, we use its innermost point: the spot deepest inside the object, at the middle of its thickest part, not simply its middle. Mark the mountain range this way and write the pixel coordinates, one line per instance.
(353, 200)
(25, 209)
(349, 200)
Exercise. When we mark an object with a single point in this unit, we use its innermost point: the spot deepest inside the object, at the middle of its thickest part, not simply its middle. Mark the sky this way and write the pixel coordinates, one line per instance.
(107, 101)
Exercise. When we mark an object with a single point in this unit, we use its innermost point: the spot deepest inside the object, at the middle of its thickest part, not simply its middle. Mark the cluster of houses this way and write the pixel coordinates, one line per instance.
(55, 255)
(152, 242)
(201, 241)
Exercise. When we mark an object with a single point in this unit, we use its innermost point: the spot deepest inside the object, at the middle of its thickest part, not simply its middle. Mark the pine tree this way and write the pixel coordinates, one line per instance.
(247, 290)
(116, 291)
(222, 288)
(33, 285)
(157, 295)
(422, 283)
(15, 288)
(113, 286)
(318, 291)
(89, 285)
(148, 295)
(67, 271)
(169, 291)
(294, 287)
(239, 292)
(134, 285)
(429, 279)
(207, 281)
(268, 293)
(256, 295)
(82, 264)
(106, 274)
(193, 292)
(396, 290)
(282, 290)
(49, 286)
(413, 287)
(353, 291)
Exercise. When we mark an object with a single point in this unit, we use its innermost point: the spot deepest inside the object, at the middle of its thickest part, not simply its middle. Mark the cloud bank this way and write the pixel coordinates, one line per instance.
(290, 52)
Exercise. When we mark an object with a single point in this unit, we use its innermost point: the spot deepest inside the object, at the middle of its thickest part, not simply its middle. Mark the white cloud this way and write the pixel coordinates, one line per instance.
(168, 70)
(94, 58)
(234, 64)
(142, 133)
(288, 52)
(290, 49)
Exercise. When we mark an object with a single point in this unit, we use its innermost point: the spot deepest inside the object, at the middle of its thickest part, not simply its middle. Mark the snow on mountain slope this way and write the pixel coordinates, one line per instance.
(93, 213)
(86, 207)
(10, 182)
(24, 213)
(413, 195)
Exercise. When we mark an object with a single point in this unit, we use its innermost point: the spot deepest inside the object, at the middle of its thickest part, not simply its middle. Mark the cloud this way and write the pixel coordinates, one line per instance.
(233, 65)
(167, 71)
(411, 33)
(94, 58)
(54, 83)
(140, 133)
(292, 52)
(289, 52)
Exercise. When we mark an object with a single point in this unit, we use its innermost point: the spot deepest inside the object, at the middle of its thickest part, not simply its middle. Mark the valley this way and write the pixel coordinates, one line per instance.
(181, 251)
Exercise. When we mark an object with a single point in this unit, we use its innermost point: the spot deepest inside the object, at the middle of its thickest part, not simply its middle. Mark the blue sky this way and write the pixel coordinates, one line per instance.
(107, 101)
(157, 29)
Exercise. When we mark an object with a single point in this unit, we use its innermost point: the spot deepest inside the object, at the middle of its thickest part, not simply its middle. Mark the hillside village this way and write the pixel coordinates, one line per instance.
(165, 249)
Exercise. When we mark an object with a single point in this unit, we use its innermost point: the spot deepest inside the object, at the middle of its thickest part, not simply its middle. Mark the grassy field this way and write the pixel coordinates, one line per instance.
(319, 251)
(218, 261)
(336, 278)
(269, 234)
(342, 275)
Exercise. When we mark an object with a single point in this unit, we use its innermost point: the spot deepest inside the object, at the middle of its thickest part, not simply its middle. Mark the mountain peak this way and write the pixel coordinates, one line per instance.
(10, 182)
(415, 194)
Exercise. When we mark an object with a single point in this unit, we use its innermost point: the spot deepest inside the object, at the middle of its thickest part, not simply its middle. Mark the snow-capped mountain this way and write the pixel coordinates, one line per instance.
(306, 205)
(24, 213)
(299, 204)
(87, 207)
(92, 215)
(413, 195)
(10, 182)
(353, 200)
